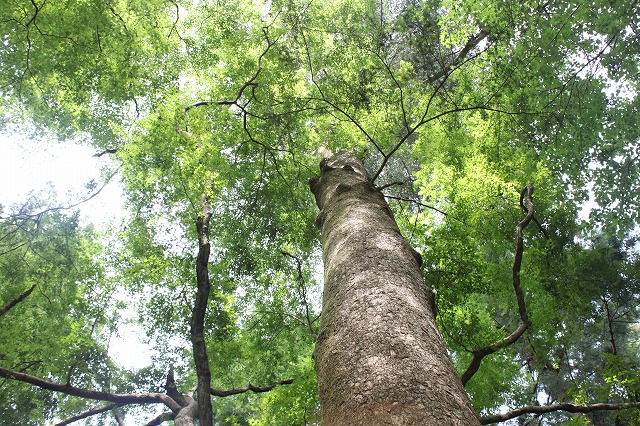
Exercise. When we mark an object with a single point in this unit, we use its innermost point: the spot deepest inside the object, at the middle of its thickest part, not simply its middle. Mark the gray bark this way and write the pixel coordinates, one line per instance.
(379, 357)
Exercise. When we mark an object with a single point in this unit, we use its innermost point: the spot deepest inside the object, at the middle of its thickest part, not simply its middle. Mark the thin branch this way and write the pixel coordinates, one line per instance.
(331, 104)
(526, 202)
(249, 83)
(71, 206)
(143, 398)
(570, 408)
(411, 200)
(17, 300)
(445, 72)
(88, 413)
(303, 292)
(249, 387)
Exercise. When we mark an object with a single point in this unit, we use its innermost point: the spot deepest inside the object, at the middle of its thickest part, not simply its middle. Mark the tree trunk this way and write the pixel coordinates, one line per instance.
(379, 357)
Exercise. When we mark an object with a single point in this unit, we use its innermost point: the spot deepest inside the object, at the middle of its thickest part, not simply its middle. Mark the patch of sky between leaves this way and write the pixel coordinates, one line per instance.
(70, 170)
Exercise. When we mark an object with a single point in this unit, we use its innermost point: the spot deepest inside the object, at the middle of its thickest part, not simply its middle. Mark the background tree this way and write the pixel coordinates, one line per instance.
(454, 106)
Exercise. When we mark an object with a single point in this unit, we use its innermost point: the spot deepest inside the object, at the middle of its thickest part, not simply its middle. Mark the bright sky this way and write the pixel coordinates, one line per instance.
(27, 165)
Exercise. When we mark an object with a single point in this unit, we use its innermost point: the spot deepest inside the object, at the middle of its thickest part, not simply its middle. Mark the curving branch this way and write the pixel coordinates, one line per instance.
(249, 387)
(570, 408)
(14, 302)
(526, 202)
(249, 83)
(164, 417)
(143, 398)
(443, 75)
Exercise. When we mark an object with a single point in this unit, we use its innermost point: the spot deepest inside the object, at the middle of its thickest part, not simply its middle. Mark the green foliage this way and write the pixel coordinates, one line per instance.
(224, 103)
(60, 331)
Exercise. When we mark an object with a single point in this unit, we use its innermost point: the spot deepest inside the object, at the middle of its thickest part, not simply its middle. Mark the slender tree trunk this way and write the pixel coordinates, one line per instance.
(379, 357)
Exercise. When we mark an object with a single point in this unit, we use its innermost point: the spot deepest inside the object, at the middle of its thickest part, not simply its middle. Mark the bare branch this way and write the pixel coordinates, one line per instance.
(17, 300)
(106, 151)
(88, 413)
(70, 206)
(333, 105)
(526, 202)
(570, 408)
(143, 398)
(303, 292)
(249, 387)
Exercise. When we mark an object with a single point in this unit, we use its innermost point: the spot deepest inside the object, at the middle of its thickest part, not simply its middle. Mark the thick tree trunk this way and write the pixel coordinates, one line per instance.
(379, 357)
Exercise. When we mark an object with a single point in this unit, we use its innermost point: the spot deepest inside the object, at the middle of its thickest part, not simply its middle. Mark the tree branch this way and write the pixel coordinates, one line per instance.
(143, 398)
(249, 387)
(88, 413)
(17, 300)
(526, 202)
(303, 292)
(164, 417)
(201, 359)
(53, 209)
(570, 408)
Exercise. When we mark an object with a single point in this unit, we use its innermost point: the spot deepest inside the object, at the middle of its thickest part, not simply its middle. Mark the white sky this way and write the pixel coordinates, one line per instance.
(27, 165)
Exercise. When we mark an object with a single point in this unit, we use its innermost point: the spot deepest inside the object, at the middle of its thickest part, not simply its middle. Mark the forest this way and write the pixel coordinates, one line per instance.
(366, 212)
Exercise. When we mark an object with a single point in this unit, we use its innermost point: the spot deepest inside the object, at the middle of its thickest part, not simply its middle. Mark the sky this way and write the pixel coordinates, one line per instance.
(27, 165)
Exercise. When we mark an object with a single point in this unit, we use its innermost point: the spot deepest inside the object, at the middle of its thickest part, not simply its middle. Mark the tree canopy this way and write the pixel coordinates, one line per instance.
(214, 116)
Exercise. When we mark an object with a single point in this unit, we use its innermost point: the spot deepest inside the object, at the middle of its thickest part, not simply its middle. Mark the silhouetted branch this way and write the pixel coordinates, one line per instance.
(53, 209)
(143, 398)
(17, 300)
(303, 292)
(106, 151)
(570, 408)
(526, 202)
(249, 387)
(88, 413)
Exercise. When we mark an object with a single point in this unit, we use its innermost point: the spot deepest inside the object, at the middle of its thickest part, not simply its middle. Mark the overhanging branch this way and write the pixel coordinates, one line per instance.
(144, 398)
(88, 413)
(249, 387)
(570, 408)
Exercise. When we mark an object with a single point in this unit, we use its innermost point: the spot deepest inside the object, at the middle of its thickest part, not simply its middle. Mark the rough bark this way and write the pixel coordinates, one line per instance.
(379, 357)
(203, 403)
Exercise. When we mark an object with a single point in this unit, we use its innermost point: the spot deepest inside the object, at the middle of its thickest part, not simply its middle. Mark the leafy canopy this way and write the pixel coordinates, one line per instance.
(454, 105)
